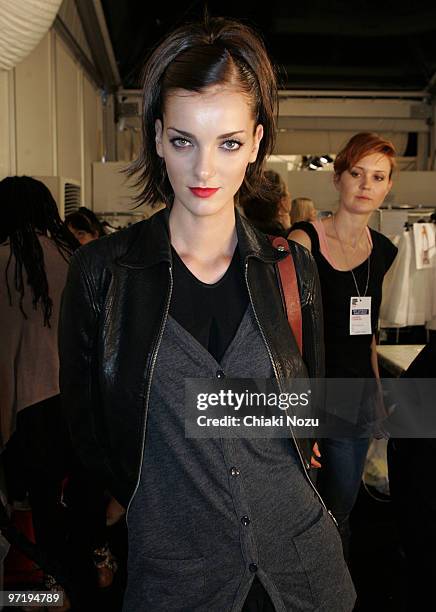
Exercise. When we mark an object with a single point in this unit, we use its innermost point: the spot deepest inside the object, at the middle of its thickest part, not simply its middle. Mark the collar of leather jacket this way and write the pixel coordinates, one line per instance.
(152, 244)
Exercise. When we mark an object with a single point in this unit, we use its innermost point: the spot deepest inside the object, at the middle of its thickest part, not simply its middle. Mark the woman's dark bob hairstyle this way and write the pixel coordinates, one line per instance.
(267, 209)
(194, 57)
(85, 220)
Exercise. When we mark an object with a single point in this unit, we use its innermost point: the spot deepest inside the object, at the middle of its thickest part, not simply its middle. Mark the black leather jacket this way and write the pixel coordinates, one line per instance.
(114, 310)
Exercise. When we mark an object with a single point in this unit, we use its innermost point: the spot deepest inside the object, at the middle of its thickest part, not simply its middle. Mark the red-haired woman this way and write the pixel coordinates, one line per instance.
(352, 260)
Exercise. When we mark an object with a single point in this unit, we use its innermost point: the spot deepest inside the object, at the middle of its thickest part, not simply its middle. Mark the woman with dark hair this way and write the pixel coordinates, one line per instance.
(271, 215)
(214, 523)
(35, 252)
(84, 225)
(352, 260)
(34, 256)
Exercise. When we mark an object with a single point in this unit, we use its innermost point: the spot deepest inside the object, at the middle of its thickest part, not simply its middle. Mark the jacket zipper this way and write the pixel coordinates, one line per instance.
(303, 463)
(147, 396)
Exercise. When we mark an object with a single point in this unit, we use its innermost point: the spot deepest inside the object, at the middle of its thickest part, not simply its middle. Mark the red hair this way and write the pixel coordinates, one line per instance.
(360, 145)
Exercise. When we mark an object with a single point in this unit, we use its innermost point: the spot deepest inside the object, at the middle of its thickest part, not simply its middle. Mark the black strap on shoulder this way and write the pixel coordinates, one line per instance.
(310, 230)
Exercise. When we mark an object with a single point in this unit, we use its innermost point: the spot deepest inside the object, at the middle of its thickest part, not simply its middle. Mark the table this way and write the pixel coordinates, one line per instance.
(396, 358)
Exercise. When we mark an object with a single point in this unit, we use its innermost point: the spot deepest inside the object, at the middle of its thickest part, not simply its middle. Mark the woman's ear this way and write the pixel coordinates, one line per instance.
(158, 138)
(258, 135)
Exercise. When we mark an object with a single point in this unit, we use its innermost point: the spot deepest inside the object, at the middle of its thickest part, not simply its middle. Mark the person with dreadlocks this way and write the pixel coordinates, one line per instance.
(34, 254)
(35, 248)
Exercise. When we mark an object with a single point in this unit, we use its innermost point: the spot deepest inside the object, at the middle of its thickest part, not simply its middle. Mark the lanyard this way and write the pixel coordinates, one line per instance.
(348, 265)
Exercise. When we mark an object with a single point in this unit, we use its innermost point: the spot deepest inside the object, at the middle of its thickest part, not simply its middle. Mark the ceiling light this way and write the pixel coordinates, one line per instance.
(315, 163)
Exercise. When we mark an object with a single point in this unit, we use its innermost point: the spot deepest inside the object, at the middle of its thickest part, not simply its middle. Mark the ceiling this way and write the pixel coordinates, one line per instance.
(318, 44)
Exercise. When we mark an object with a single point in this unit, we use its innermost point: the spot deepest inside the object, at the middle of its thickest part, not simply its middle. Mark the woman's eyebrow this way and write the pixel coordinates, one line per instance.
(189, 135)
(230, 134)
(370, 169)
(182, 132)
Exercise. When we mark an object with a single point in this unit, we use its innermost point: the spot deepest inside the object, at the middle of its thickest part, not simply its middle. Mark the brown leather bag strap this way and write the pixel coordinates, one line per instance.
(289, 289)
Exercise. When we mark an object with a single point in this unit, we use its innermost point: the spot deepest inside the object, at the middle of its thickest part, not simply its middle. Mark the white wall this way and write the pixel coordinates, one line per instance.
(7, 124)
(34, 110)
(69, 113)
(50, 117)
(315, 185)
(417, 188)
(92, 137)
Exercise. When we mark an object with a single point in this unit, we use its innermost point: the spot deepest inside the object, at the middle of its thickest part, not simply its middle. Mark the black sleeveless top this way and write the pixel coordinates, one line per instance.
(349, 356)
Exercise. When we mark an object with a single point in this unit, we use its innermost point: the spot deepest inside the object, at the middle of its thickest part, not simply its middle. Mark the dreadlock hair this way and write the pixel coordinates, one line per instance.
(29, 210)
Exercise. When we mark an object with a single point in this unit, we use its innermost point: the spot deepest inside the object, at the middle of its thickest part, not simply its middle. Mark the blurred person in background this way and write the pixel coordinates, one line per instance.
(37, 455)
(302, 209)
(34, 255)
(85, 225)
(89, 520)
(270, 214)
(352, 261)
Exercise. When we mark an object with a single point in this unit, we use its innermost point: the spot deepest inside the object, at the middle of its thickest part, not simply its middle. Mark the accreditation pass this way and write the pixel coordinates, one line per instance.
(360, 316)
(31, 599)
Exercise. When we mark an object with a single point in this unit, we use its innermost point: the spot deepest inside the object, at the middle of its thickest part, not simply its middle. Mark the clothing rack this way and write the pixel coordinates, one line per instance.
(426, 218)
(391, 220)
(119, 219)
(409, 290)
(120, 213)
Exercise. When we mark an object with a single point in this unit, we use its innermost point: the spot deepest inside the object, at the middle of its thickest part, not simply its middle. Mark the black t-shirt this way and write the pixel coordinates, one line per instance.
(346, 355)
(210, 313)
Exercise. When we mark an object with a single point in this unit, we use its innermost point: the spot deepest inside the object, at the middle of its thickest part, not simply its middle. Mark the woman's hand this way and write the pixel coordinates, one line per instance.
(316, 455)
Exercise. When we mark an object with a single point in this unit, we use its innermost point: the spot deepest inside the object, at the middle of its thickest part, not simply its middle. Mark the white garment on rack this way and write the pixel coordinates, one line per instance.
(394, 306)
(424, 239)
(420, 298)
(407, 292)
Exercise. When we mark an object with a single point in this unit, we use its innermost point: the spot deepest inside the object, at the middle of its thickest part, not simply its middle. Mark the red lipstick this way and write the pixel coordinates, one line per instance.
(203, 192)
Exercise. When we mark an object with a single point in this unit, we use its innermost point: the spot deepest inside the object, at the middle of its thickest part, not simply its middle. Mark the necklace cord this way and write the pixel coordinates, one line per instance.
(348, 265)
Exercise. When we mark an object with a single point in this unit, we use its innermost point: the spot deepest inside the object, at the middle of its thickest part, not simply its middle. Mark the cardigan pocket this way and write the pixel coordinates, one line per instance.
(320, 552)
(173, 584)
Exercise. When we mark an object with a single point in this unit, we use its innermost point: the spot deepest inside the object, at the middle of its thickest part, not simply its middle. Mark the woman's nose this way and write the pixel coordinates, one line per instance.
(205, 165)
(365, 181)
